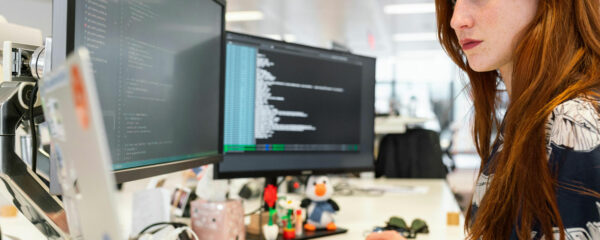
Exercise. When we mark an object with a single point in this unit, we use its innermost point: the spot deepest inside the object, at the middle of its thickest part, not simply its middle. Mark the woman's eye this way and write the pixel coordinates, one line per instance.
(453, 2)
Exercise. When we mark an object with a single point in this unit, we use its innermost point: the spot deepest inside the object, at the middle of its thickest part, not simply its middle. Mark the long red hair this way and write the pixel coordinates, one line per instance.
(556, 59)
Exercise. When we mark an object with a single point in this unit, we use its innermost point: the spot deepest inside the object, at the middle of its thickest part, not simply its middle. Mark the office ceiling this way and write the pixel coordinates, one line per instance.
(361, 25)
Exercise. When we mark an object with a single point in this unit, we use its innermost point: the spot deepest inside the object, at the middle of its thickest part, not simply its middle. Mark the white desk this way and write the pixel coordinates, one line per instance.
(430, 201)
(362, 213)
(358, 214)
(20, 228)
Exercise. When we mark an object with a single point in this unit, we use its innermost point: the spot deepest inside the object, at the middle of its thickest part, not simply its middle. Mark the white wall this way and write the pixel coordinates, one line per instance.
(31, 13)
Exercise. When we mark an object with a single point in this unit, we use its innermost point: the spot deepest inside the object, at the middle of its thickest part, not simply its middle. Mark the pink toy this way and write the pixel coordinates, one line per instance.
(218, 220)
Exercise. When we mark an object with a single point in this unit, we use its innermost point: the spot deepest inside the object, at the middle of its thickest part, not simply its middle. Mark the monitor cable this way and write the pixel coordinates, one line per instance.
(36, 66)
(180, 232)
(261, 207)
(174, 224)
(32, 99)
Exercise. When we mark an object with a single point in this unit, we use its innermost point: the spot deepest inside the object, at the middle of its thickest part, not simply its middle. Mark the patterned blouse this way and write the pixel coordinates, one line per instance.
(573, 140)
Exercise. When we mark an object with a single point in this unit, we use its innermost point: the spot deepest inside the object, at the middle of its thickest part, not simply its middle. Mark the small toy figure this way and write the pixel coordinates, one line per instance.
(320, 208)
(289, 232)
(289, 206)
(298, 223)
(270, 230)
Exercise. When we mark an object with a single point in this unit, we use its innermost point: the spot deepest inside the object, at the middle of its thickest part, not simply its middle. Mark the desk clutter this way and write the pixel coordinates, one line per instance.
(286, 217)
(8, 211)
(218, 220)
(212, 216)
(290, 218)
(399, 225)
(121, 98)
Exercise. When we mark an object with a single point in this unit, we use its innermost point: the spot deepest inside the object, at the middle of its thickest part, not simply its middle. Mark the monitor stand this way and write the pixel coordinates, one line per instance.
(306, 234)
(27, 191)
(320, 233)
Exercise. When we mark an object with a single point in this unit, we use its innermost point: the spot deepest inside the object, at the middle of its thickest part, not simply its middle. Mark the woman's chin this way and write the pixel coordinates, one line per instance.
(478, 67)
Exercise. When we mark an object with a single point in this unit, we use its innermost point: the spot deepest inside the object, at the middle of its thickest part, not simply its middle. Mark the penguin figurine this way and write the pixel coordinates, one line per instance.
(320, 208)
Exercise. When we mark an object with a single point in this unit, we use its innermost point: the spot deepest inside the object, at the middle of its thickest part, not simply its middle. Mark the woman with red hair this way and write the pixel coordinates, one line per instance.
(540, 174)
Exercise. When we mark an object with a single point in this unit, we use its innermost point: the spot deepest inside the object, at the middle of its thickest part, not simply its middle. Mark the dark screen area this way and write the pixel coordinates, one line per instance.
(157, 67)
(334, 114)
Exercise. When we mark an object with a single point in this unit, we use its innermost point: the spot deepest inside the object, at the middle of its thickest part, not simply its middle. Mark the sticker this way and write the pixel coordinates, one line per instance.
(80, 97)
(106, 237)
(55, 121)
(55, 81)
(57, 155)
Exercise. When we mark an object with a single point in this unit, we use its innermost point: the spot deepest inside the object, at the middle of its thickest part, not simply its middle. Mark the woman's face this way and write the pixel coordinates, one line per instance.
(488, 30)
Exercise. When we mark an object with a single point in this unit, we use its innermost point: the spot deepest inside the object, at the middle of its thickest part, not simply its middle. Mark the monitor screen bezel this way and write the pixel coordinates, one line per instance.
(220, 174)
(64, 36)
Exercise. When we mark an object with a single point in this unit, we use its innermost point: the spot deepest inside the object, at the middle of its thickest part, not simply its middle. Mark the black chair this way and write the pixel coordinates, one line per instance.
(414, 154)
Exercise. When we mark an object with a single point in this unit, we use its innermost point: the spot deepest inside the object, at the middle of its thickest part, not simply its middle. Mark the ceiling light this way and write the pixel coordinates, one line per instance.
(243, 16)
(415, 37)
(412, 8)
(289, 38)
(285, 37)
(274, 36)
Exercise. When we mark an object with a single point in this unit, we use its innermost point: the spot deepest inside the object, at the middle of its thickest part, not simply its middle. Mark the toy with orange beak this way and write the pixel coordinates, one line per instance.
(320, 208)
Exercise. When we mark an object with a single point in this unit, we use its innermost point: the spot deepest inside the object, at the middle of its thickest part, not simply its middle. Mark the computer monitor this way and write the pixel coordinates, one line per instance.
(294, 110)
(159, 68)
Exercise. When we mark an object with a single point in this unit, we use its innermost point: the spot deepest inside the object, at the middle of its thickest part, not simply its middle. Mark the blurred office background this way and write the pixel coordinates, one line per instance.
(415, 78)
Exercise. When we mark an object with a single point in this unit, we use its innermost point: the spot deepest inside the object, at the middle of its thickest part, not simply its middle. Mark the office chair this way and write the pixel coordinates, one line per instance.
(414, 154)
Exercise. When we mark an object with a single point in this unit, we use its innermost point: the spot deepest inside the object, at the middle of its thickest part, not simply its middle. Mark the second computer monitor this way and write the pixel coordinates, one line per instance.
(158, 67)
(293, 109)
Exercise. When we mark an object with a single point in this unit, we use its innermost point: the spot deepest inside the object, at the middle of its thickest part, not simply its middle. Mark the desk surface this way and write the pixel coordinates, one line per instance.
(429, 200)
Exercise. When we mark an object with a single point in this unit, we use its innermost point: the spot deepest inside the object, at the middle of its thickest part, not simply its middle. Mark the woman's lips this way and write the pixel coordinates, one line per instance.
(469, 43)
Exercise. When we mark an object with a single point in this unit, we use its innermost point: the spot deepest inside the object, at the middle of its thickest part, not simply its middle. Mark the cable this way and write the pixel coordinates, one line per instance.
(189, 230)
(175, 234)
(254, 211)
(32, 99)
(174, 224)
(34, 146)
(346, 189)
(280, 182)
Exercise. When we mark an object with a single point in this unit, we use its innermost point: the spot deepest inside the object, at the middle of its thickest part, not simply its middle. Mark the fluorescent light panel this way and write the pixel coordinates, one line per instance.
(289, 38)
(274, 36)
(243, 16)
(412, 8)
(285, 37)
(415, 37)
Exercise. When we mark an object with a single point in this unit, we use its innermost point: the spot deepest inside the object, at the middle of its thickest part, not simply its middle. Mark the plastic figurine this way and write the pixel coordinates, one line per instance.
(298, 224)
(289, 232)
(285, 203)
(271, 230)
(270, 196)
(320, 208)
(289, 206)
